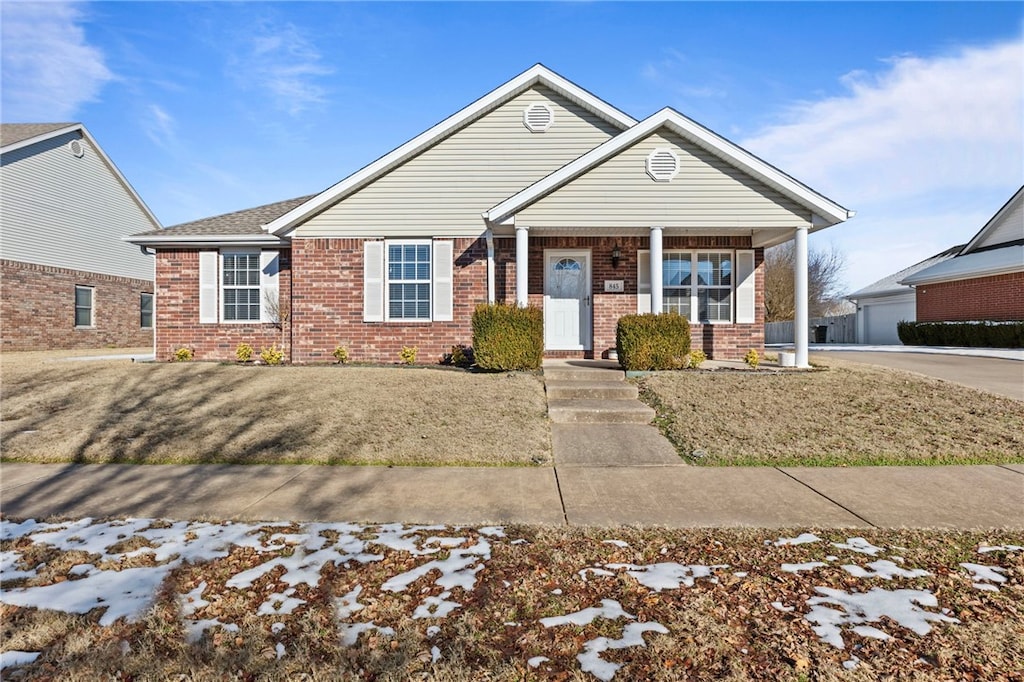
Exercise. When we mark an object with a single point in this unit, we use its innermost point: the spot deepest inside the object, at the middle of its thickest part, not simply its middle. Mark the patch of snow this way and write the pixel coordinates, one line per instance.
(884, 569)
(536, 661)
(350, 632)
(458, 570)
(617, 543)
(557, 590)
(193, 601)
(740, 574)
(905, 607)
(808, 566)
(8, 567)
(858, 545)
(347, 605)
(276, 628)
(433, 630)
(194, 629)
(279, 649)
(782, 607)
(492, 531)
(668, 575)
(12, 531)
(983, 576)
(12, 658)
(280, 603)
(870, 631)
(435, 654)
(518, 541)
(831, 557)
(436, 607)
(593, 571)
(852, 663)
(609, 609)
(802, 539)
(1000, 548)
(632, 635)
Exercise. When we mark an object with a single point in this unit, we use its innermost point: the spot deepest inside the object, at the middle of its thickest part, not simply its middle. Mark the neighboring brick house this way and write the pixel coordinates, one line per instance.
(985, 280)
(68, 278)
(538, 193)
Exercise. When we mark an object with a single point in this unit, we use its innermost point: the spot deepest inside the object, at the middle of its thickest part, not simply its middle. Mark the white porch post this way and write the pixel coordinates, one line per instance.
(522, 274)
(489, 238)
(656, 277)
(800, 320)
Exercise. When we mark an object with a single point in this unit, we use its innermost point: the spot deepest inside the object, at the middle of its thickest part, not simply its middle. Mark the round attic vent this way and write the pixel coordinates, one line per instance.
(77, 148)
(538, 117)
(662, 164)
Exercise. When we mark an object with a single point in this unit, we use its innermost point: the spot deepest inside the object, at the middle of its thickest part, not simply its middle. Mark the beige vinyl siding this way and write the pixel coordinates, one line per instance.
(1010, 228)
(443, 191)
(69, 212)
(707, 194)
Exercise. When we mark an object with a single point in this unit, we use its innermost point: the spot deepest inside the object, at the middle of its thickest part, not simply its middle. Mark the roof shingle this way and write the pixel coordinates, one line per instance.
(247, 221)
(12, 133)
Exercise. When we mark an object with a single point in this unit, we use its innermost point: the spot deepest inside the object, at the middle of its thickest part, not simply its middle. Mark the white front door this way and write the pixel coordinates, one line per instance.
(567, 302)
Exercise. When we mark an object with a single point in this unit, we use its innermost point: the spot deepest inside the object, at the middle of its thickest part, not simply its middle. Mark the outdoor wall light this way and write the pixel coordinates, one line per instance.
(616, 256)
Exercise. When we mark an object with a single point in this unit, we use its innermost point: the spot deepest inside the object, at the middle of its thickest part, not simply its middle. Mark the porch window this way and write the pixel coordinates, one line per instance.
(408, 268)
(702, 286)
(714, 287)
(241, 287)
(676, 283)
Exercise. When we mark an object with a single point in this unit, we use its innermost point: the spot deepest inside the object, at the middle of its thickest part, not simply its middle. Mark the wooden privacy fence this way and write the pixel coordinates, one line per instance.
(835, 329)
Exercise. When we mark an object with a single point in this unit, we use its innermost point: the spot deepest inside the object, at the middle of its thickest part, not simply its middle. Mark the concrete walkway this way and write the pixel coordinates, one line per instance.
(680, 496)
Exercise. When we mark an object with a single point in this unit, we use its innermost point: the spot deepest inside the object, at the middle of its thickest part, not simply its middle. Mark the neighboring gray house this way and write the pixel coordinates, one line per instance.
(885, 303)
(69, 280)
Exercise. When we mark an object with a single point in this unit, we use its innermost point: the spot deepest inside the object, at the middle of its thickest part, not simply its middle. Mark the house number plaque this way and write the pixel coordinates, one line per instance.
(615, 286)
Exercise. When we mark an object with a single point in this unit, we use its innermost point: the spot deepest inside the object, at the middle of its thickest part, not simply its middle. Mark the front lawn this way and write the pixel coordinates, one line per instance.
(845, 414)
(143, 599)
(190, 413)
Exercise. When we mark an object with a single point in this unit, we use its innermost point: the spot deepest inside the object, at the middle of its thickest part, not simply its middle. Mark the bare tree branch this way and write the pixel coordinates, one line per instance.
(824, 272)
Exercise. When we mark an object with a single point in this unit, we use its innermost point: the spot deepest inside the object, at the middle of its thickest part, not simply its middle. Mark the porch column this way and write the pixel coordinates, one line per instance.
(800, 320)
(656, 277)
(522, 274)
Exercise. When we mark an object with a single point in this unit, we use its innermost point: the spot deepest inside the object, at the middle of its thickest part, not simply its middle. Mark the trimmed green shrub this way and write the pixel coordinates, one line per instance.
(340, 354)
(184, 354)
(243, 352)
(967, 334)
(507, 337)
(461, 356)
(650, 342)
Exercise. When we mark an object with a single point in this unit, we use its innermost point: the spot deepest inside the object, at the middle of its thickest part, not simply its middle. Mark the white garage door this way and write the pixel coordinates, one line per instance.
(880, 321)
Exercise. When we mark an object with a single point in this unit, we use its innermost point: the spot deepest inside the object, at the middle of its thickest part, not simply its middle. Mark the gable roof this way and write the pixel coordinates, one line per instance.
(246, 224)
(892, 284)
(987, 263)
(17, 135)
(829, 211)
(995, 222)
(14, 136)
(535, 75)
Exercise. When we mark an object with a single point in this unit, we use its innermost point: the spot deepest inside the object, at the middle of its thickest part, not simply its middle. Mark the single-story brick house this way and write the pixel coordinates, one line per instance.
(985, 280)
(538, 193)
(69, 278)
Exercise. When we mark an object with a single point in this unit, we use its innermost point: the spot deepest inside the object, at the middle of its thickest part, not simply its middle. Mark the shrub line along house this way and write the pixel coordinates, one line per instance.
(538, 193)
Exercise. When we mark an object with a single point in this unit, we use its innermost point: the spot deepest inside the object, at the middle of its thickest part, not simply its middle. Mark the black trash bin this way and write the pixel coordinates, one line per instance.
(821, 333)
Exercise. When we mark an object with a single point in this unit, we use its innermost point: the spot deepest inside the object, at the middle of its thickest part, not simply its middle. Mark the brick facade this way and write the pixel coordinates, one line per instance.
(324, 280)
(38, 309)
(983, 298)
(177, 318)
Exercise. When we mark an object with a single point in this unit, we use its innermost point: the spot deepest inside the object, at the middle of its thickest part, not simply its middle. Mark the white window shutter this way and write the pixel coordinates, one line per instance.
(441, 282)
(373, 281)
(209, 264)
(270, 304)
(745, 294)
(643, 282)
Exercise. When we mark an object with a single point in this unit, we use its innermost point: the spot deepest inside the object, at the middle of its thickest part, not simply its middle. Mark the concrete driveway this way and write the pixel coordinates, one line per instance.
(1003, 377)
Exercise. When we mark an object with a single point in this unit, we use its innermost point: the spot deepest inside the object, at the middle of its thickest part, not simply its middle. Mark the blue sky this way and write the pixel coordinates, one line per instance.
(912, 114)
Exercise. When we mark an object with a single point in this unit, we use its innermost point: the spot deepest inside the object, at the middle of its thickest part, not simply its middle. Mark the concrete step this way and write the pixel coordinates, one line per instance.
(586, 389)
(565, 373)
(599, 412)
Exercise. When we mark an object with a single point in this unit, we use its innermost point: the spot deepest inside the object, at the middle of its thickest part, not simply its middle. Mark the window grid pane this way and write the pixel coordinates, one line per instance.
(241, 279)
(409, 281)
(83, 307)
(146, 311)
(714, 287)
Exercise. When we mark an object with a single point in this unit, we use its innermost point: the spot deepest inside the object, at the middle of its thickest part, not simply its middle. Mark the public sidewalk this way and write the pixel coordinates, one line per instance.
(963, 497)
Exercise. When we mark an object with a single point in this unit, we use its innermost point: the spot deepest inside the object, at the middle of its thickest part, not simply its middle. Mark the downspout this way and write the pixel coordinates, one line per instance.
(489, 236)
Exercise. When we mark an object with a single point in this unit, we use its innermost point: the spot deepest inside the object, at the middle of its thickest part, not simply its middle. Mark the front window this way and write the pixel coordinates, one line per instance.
(714, 287)
(676, 283)
(408, 270)
(241, 283)
(83, 306)
(146, 311)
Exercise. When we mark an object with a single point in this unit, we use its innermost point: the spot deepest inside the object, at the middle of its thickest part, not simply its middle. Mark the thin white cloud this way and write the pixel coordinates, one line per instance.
(916, 127)
(925, 150)
(673, 73)
(279, 59)
(160, 127)
(49, 69)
